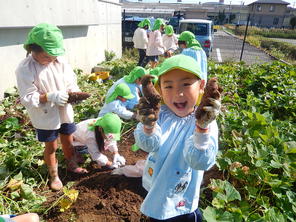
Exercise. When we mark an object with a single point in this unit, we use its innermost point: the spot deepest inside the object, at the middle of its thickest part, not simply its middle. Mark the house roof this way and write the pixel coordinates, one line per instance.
(270, 2)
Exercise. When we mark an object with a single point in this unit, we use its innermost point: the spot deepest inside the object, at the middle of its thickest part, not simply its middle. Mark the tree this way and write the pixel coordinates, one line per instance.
(221, 17)
(293, 22)
(231, 18)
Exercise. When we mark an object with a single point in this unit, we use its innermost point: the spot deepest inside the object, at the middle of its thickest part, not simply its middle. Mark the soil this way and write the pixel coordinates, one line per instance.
(106, 197)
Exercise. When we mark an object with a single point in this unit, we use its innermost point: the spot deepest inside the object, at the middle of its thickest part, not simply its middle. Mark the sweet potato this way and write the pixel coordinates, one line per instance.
(212, 90)
(149, 91)
(77, 96)
(149, 104)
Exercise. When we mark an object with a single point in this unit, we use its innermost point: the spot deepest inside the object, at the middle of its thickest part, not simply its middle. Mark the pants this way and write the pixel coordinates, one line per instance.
(142, 58)
(195, 216)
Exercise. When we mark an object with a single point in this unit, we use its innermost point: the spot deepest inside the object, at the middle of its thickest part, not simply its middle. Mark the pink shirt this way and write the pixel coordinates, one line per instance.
(155, 44)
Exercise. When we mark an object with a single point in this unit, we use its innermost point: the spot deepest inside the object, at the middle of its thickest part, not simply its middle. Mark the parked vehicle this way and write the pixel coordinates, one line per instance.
(203, 31)
(129, 25)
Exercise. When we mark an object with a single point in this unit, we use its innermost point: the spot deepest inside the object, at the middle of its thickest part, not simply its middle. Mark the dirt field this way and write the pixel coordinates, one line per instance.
(105, 197)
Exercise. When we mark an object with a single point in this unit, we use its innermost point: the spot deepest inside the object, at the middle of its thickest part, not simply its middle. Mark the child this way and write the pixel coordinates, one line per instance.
(44, 80)
(180, 146)
(191, 47)
(133, 80)
(170, 41)
(140, 40)
(155, 45)
(99, 135)
(115, 103)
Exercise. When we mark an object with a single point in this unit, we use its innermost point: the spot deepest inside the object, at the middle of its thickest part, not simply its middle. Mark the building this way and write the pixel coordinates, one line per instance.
(89, 27)
(268, 13)
(264, 13)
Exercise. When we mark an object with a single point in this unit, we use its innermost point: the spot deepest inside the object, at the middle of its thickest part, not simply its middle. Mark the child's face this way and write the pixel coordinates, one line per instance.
(180, 91)
(43, 58)
(138, 81)
(121, 98)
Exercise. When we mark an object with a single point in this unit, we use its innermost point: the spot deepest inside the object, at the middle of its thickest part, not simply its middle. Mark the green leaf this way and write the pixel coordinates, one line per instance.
(231, 192)
(214, 215)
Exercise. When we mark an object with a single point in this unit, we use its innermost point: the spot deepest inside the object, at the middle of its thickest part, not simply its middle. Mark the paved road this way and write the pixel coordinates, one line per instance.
(228, 48)
(291, 41)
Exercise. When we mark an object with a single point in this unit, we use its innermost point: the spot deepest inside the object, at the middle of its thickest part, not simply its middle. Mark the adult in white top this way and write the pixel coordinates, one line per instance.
(155, 44)
(140, 40)
(170, 41)
(44, 80)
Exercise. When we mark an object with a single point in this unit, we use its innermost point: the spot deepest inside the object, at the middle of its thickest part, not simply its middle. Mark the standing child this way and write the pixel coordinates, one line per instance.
(170, 41)
(99, 135)
(180, 146)
(191, 47)
(155, 46)
(116, 102)
(44, 80)
(133, 80)
(140, 40)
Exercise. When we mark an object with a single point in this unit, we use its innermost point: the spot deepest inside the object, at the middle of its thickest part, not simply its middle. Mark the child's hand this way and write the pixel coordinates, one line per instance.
(210, 105)
(58, 97)
(149, 104)
(146, 114)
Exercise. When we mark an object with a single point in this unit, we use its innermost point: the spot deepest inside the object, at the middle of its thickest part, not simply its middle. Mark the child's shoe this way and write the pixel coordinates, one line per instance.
(55, 182)
(74, 168)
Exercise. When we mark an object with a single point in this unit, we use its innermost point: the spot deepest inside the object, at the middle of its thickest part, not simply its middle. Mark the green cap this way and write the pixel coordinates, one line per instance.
(48, 37)
(158, 22)
(122, 90)
(190, 40)
(136, 73)
(111, 124)
(169, 30)
(145, 22)
(154, 72)
(182, 62)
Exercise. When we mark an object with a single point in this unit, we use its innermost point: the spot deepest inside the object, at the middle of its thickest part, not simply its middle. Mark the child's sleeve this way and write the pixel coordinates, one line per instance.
(71, 79)
(94, 152)
(148, 143)
(28, 91)
(201, 148)
(122, 111)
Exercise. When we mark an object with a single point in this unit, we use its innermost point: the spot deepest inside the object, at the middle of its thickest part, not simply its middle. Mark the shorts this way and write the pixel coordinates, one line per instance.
(152, 58)
(51, 135)
(195, 216)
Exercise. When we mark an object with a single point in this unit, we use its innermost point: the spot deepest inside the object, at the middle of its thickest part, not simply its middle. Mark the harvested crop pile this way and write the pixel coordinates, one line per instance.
(212, 90)
(149, 104)
(77, 96)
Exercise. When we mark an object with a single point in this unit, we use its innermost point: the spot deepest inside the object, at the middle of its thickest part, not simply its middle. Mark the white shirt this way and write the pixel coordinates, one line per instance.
(155, 44)
(83, 136)
(170, 42)
(140, 38)
(34, 79)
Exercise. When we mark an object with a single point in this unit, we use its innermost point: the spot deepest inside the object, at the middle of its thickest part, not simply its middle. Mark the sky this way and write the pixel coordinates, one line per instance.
(236, 2)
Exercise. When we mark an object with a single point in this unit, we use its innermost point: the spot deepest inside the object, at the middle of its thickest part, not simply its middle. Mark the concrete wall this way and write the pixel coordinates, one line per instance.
(89, 27)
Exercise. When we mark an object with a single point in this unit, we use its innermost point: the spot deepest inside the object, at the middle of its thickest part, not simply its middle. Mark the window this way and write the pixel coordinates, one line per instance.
(258, 7)
(271, 9)
(276, 21)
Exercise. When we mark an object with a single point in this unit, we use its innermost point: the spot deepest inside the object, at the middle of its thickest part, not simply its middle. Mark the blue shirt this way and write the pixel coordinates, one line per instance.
(135, 90)
(175, 165)
(201, 57)
(117, 107)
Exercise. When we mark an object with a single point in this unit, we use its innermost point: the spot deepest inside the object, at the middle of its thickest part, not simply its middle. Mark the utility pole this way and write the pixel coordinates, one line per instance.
(246, 31)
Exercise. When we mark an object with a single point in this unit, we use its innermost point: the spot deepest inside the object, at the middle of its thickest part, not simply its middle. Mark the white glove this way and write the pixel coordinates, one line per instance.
(58, 97)
(210, 115)
(119, 160)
